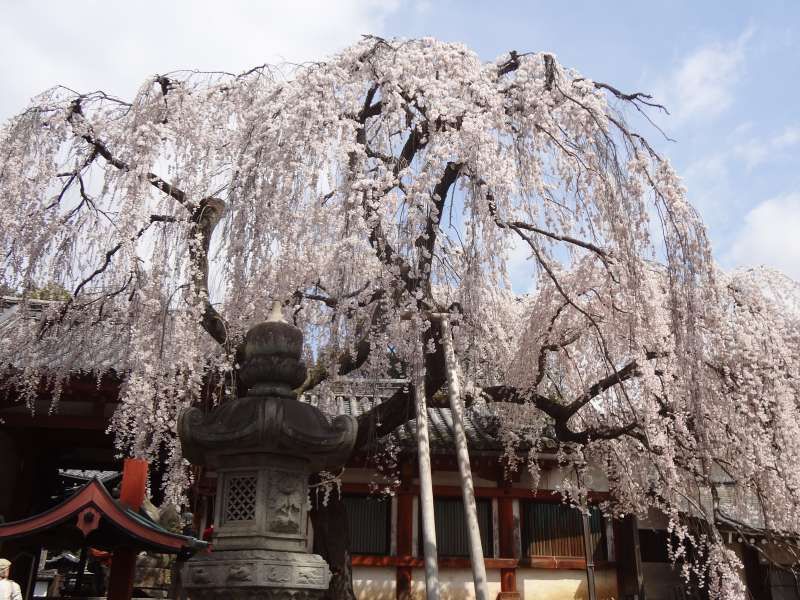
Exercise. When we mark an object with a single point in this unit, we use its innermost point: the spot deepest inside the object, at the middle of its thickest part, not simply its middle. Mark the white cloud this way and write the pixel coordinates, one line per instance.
(702, 85)
(789, 137)
(770, 236)
(423, 6)
(114, 45)
(756, 151)
(711, 178)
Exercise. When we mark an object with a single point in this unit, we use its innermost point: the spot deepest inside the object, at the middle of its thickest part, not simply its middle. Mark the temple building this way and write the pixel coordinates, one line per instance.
(535, 546)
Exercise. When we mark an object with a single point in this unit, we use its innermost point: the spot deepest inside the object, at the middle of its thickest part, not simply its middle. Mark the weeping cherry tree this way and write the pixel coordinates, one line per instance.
(368, 193)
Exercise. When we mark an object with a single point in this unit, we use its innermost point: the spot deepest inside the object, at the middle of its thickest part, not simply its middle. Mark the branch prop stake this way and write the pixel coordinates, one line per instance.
(462, 453)
(425, 480)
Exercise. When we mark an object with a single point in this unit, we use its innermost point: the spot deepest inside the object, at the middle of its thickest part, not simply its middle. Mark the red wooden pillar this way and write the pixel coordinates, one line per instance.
(405, 533)
(506, 528)
(403, 580)
(123, 560)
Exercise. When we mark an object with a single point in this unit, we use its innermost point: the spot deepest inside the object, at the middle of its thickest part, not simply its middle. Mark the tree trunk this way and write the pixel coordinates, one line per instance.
(331, 534)
(332, 542)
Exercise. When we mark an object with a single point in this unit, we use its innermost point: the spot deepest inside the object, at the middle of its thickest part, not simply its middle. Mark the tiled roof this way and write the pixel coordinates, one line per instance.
(112, 524)
(10, 310)
(739, 507)
(356, 397)
(85, 475)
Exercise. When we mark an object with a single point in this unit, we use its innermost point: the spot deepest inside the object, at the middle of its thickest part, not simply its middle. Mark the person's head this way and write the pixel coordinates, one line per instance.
(5, 565)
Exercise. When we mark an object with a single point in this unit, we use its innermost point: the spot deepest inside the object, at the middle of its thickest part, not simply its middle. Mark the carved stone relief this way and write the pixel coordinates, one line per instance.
(241, 572)
(285, 502)
(279, 574)
(200, 576)
(310, 576)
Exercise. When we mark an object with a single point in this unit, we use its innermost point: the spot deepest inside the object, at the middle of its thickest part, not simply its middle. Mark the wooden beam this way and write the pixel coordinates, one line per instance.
(405, 523)
(413, 562)
(39, 421)
(483, 492)
(506, 526)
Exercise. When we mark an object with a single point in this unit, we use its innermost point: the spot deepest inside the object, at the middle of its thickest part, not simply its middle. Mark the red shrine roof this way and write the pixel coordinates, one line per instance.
(92, 517)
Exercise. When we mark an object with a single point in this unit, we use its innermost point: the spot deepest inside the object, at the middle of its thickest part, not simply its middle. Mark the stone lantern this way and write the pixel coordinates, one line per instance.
(263, 447)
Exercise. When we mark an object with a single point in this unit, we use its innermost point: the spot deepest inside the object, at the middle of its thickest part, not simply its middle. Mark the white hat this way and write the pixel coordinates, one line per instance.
(4, 565)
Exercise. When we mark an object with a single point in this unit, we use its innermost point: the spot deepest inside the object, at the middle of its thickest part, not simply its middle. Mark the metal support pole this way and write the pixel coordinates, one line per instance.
(462, 453)
(33, 574)
(425, 481)
(81, 569)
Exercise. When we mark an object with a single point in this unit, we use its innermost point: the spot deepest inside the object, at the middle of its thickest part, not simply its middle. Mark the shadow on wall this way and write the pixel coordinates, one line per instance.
(378, 583)
(455, 584)
(606, 590)
(373, 583)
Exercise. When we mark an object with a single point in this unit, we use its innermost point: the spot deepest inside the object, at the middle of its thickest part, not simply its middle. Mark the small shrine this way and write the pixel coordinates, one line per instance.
(93, 519)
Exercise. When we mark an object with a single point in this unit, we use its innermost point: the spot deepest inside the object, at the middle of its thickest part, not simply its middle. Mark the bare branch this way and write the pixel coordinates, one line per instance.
(110, 254)
(100, 148)
(635, 97)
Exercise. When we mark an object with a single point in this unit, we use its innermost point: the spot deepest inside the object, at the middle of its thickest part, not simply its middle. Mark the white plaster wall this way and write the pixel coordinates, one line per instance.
(374, 583)
(547, 584)
(454, 584)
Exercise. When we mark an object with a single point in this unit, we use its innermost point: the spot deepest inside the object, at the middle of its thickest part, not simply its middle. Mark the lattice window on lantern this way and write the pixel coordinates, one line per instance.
(240, 498)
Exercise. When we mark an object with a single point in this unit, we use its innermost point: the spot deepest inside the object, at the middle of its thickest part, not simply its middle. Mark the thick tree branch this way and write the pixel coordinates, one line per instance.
(346, 361)
(393, 412)
(559, 413)
(370, 203)
(503, 393)
(204, 219)
(558, 237)
(629, 371)
(426, 242)
(566, 435)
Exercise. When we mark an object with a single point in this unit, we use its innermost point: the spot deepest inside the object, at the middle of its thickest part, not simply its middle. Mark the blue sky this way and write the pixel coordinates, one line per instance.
(728, 71)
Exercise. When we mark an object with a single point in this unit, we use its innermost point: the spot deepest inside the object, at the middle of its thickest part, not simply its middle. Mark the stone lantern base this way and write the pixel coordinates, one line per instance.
(257, 575)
